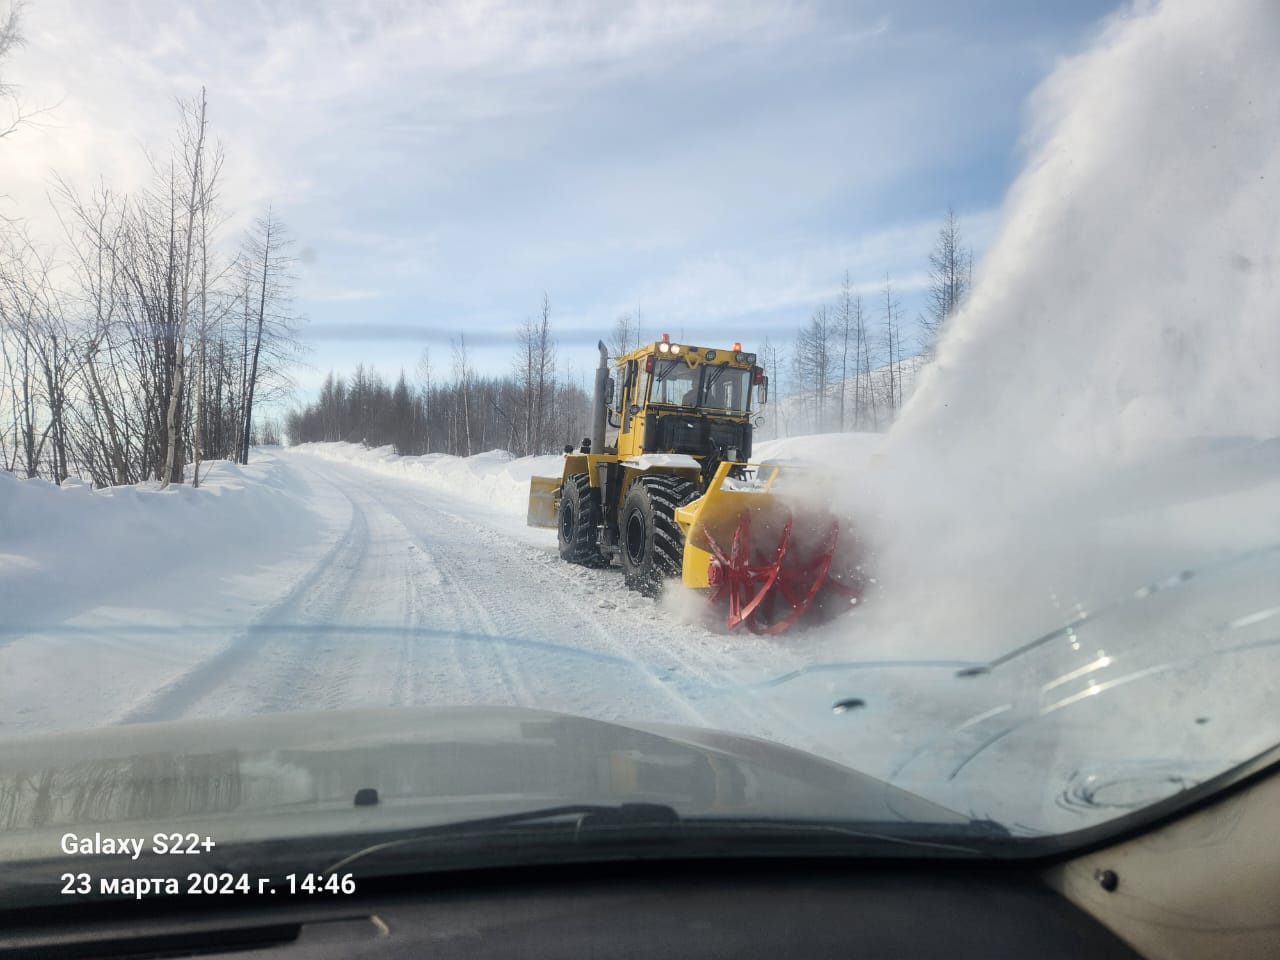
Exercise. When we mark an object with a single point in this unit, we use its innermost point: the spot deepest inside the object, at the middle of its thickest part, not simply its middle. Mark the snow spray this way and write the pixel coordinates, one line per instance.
(1127, 311)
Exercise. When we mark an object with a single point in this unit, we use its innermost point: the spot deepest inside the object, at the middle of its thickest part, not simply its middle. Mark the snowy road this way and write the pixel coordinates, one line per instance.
(402, 595)
(417, 601)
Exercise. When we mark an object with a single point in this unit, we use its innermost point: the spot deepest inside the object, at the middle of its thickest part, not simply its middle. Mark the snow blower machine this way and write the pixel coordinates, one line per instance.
(665, 483)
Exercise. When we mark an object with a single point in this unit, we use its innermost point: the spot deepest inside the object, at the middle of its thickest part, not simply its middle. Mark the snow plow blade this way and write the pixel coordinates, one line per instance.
(767, 558)
(542, 501)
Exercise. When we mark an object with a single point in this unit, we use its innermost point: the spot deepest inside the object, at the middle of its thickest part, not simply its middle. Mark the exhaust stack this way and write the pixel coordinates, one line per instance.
(600, 409)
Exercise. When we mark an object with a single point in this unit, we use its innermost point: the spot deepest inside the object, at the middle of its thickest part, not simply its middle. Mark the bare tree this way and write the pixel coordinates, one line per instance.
(120, 358)
(535, 377)
(422, 407)
(863, 397)
(950, 275)
(626, 335)
(213, 306)
(94, 231)
(40, 353)
(269, 299)
(848, 323)
(196, 115)
(462, 376)
(544, 375)
(154, 258)
(814, 361)
(10, 39)
(893, 347)
(15, 112)
(773, 358)
(367, 409)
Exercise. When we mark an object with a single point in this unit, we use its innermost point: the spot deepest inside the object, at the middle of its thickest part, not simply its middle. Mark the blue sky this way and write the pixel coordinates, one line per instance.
(441, 164)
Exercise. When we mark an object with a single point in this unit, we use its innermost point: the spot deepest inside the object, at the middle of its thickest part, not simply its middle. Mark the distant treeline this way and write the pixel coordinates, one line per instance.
(529, 411)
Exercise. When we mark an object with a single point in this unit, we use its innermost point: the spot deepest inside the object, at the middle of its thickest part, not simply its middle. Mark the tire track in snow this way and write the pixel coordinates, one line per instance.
(468, 625)
(689, 664)
(478, 629)
(558, 611)
(619, 620)
(369, 626)
(212, 675)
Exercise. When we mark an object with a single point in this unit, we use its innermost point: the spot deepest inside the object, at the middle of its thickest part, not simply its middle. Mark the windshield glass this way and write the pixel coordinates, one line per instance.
(675, 382)
(725, 388)
(328, 508)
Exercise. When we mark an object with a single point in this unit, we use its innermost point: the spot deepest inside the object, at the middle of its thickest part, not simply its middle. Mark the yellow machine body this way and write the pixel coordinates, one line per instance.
(666, 485)
(640, 394)
(719, 511)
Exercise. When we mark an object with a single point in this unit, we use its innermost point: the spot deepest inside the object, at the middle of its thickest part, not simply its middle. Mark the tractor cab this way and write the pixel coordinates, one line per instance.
(669, 398)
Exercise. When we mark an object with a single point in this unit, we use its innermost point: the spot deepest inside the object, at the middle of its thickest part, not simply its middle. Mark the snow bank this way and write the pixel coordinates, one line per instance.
(110, 595)
(495, 479)
(57, 543)
(46, 519)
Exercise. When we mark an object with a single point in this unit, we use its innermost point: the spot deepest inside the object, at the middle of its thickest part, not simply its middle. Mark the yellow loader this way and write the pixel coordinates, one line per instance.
(665, 483)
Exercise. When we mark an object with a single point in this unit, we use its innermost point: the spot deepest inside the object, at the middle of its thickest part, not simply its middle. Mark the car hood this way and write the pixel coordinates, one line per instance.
(289, 775)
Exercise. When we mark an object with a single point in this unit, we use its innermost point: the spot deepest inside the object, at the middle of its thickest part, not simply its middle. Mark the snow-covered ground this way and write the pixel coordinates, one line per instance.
(329, 576)
(332, 576)
(1073, 529)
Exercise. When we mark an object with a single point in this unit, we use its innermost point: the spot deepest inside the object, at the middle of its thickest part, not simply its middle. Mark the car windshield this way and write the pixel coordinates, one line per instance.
(339, 498)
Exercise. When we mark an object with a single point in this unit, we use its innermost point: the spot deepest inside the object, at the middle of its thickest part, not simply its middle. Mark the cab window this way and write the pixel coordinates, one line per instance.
(674, 382)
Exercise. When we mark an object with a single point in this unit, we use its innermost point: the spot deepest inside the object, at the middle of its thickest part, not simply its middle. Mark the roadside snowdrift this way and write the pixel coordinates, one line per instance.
(495, 479)
(106, 593)
(64, 547)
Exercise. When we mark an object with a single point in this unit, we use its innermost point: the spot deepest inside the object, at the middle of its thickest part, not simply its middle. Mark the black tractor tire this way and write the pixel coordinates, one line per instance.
(578, 524)
(652, 546)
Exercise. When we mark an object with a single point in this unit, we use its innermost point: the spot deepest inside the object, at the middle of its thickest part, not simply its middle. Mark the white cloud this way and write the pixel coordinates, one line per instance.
(297, 88)
(452, 160)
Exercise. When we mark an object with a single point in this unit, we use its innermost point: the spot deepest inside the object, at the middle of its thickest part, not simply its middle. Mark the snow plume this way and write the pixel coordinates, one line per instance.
(1128, 309)
(1132, 296)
